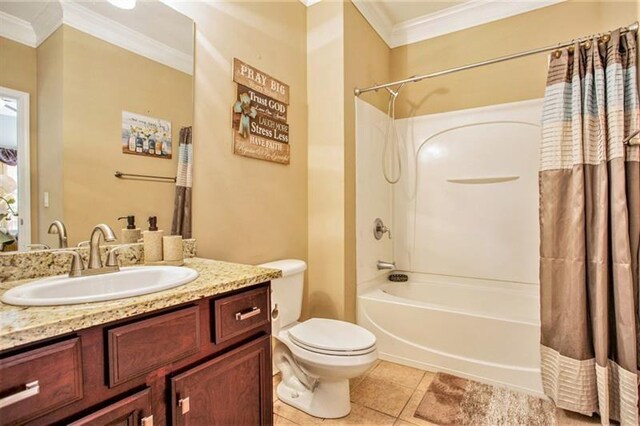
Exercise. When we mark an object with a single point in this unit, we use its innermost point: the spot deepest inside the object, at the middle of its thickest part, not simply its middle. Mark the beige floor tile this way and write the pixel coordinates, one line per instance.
(357, 380)
(373, 367)
(361, 415)
(410, 409)
(293, 414)
(353, 383)
(568, 418)
(281, 421)
(383, 396)
(400, 374)
(426, 381)
(276, 380)
(401, 422)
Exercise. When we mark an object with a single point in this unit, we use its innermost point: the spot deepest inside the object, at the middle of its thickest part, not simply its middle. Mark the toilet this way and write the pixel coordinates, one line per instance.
(316, 357)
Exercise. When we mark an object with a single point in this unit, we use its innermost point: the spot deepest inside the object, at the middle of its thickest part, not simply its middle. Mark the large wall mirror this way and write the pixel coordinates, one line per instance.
(88, 89)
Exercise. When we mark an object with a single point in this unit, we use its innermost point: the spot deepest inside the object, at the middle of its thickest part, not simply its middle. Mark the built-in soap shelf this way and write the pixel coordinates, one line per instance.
(483, 180)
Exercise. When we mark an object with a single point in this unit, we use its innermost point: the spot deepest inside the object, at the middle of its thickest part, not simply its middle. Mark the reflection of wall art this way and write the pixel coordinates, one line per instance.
(147, 136)
(260, 115)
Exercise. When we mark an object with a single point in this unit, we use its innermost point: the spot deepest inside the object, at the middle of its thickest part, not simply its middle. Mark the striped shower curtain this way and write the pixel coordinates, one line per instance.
(590, 229)
(181, 224)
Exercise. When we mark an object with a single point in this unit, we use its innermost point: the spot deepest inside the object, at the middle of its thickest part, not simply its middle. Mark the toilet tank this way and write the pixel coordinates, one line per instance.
(286, 292)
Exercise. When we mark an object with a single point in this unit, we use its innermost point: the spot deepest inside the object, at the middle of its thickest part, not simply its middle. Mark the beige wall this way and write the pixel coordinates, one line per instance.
(505, 82)
(367, 62)
(343, 52)
(100, 81)
(18, 72)
(325, 43)
(50, 134)
(248, 210)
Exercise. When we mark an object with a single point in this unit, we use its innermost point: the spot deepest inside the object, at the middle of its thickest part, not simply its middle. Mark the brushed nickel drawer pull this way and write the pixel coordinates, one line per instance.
(147, 421)
(241, 316)
(32, 389)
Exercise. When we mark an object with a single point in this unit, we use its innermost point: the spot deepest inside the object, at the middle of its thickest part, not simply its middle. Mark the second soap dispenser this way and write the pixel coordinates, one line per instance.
(152, 242)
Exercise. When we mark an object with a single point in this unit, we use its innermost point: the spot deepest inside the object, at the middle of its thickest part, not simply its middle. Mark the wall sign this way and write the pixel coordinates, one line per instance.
(264, 104)
(260, 82)
(260, 115)
(142, 135)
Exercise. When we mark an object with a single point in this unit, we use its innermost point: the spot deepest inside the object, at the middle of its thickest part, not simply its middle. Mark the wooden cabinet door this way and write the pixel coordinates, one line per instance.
(232, 389)
(134, 410)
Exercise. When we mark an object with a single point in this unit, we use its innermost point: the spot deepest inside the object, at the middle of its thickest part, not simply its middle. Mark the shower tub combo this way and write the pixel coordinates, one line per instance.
(482, 330)
(464, 216)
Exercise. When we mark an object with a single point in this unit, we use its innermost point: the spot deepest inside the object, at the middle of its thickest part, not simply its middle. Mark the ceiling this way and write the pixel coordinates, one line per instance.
(25, 10)
(152, 29)
(401, 22)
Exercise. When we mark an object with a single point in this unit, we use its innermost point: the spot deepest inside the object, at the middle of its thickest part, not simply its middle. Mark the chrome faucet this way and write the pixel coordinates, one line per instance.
(57, 227)
(385, 265)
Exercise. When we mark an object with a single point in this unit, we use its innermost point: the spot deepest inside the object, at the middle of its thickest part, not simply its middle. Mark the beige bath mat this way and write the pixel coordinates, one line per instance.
(452, 400)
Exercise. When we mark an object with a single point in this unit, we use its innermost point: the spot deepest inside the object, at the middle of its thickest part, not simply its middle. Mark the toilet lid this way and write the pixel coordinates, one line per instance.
(332, 336)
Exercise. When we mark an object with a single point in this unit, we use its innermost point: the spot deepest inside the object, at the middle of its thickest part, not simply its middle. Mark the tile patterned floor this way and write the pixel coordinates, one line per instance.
(388, 394)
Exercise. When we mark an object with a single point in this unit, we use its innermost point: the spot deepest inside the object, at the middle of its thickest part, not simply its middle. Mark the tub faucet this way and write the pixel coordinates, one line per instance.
(385, 265)
(57, 227)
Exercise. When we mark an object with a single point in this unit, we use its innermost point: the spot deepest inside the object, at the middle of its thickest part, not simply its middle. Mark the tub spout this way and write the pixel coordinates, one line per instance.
(385, 265)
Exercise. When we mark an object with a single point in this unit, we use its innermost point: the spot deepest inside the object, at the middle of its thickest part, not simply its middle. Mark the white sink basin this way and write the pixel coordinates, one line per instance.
(128, 282)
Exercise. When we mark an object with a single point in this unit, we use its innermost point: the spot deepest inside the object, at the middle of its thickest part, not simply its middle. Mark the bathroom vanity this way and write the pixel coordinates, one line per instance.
(197, 354)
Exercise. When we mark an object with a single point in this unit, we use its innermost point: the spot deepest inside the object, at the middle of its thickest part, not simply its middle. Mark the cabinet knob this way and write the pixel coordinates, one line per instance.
(184, 405)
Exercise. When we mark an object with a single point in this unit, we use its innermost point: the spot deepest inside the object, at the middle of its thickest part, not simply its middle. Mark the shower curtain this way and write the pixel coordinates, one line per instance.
(181, 224)
(590, 229)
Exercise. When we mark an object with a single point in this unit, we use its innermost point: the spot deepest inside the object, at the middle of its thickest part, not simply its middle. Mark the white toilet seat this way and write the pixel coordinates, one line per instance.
(330, 352)
(332, 337)
(327, 360)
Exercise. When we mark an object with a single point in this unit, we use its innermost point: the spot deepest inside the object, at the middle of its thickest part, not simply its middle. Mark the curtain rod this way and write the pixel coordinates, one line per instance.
(358, 92)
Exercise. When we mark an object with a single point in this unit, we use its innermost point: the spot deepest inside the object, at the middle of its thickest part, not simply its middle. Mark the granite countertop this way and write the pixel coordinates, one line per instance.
(22, 324)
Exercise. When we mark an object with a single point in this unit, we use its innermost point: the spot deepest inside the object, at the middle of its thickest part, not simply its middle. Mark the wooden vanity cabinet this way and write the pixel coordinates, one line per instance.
(230, 389)
(130, 411)
(191, 364)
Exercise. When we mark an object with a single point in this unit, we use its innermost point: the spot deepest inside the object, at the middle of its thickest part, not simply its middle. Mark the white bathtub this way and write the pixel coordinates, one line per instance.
(483, 330)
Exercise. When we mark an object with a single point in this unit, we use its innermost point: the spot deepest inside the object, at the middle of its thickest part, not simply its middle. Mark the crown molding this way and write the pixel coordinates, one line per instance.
(47, 21)
(75, 15)
(460, 17)
(377, 17)
(466, 15)
(17, 30)
(309, 3)
(87, 21)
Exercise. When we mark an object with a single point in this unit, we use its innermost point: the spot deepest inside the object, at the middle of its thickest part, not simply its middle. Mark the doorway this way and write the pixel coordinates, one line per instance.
(15, 184)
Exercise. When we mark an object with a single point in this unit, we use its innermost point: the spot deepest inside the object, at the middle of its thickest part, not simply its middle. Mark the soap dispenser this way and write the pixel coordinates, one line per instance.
(152, 242)
(130, 234)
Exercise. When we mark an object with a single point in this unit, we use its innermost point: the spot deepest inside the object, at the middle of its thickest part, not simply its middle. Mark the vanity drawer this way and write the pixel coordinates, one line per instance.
(39, 381)
(140, 347)
(240, 313)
